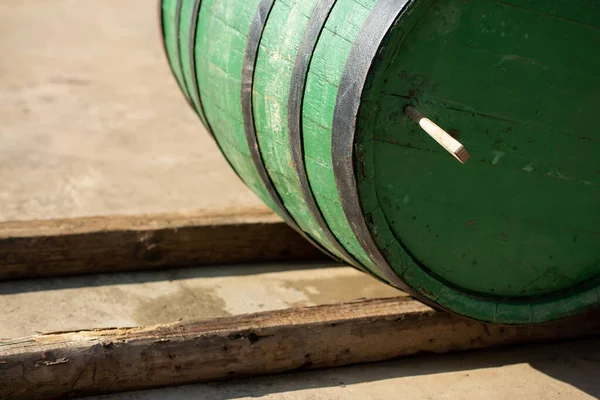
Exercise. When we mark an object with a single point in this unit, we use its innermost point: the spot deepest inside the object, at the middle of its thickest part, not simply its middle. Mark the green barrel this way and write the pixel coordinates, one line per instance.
(306, 99)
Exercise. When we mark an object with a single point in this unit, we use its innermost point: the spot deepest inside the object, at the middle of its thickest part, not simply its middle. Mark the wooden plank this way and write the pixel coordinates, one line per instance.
(79, 363)
(34, 249)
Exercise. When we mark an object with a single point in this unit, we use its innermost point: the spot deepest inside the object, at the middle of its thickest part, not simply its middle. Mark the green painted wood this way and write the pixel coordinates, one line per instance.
(250, 169)
(279, 48)
(328, 61)
(187, 29)
(220, 42)
(170, 12)
(513, 235)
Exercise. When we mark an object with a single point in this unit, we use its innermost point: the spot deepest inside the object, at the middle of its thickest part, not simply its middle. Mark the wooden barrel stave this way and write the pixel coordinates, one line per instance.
(170, 11)
(280, 146)
(330, 171)
(225, 78)
(328, 60)
(278, 47)
(220, 44)
(187, 30)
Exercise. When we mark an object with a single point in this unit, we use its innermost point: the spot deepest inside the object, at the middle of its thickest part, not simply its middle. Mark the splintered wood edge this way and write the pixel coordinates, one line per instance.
(87, 362)
(35, 249)
(462, 155)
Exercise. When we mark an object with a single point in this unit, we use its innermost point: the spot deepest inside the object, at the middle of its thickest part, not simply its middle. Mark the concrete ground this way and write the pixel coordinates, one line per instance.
(91, 122)
(148, 298)
(568, 370)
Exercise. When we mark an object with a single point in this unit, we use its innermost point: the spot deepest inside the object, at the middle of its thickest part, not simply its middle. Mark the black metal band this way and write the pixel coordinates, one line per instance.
(250, 56)
(311, 36)
(363, 52)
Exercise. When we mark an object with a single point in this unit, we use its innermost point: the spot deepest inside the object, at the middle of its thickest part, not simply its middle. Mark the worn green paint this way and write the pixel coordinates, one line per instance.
(278, 51)
(513, 235)
(185, 38)
(510, 237)
(327, 65)
(223, 27)
(169, 18)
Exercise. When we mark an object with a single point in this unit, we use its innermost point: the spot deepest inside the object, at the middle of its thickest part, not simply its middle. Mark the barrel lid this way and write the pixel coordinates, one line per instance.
(512, 235)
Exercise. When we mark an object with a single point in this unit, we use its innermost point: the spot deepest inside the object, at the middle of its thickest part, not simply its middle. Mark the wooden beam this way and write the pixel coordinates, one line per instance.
(80, 363)
(34, 249)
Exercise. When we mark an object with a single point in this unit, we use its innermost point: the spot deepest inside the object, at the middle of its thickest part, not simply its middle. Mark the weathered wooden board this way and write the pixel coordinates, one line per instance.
(34, 249)
(63, 364)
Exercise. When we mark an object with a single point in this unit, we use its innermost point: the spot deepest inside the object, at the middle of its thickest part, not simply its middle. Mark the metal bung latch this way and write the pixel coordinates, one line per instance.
(444, 139)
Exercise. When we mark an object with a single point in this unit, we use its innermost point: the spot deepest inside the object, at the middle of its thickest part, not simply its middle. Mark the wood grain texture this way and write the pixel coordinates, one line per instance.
(66, 364)
(518, 243)
(327, 65)
(223, 28)
(282, 46)
(278, 49)
(35, 249)
(263, 13)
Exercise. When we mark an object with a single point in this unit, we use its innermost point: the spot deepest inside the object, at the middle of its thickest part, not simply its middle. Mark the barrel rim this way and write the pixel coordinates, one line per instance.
(353, 80)
(415, 279)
